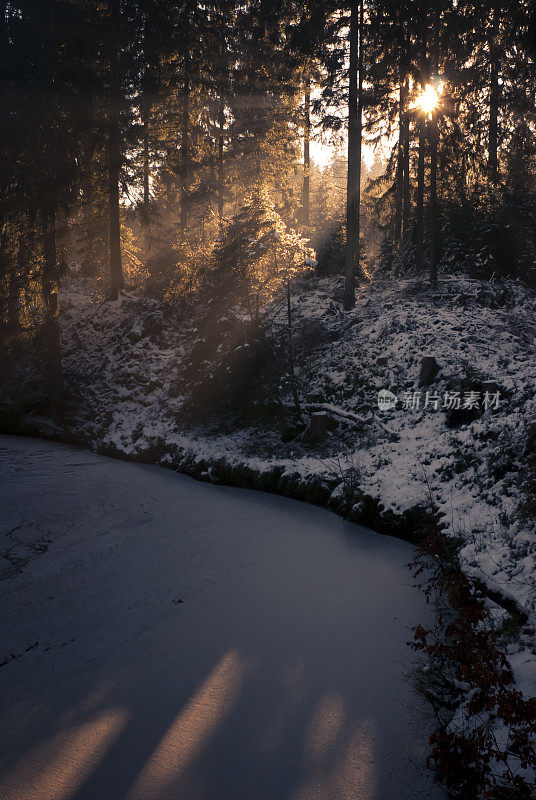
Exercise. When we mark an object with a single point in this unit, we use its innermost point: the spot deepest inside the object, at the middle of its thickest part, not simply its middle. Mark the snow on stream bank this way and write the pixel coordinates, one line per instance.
(125, 365)
(166, 638)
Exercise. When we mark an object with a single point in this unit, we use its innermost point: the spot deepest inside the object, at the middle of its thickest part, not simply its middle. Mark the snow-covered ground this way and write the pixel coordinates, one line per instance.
(125, 368)
(163, 638)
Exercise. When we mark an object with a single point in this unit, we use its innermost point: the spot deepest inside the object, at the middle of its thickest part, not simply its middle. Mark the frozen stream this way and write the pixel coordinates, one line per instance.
(163, 638)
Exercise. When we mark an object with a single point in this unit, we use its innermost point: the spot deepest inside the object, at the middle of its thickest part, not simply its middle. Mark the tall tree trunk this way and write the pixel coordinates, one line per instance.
(145, 114)
(434, 143)
(355, 109)
(306, 153)
(146, 164)
(185, 132)
(494, 97)
(146, 210)
(114, 158)
(53, 371)
(434, 210)
(221, 144)
(424, 77)
(399, 196)
(406, 168)
(493, 122)
(419, 213)
(146, 213)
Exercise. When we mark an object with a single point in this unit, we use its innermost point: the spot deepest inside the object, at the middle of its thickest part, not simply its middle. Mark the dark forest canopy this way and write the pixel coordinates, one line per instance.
(165, 147)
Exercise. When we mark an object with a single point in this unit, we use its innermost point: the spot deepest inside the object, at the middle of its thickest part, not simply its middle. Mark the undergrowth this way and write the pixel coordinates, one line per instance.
(484, 747)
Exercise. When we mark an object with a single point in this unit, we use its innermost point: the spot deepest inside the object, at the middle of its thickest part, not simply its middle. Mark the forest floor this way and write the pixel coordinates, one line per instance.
(126, 373)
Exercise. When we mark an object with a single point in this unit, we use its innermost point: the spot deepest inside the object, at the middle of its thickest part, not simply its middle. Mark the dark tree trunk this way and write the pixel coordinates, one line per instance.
(355, 107)
(114, 158)
(419, 212)
(494, 98)
(399, 196)
(145, 114)
(53, 371)
(185, 132)
(184, 201)
(421, 158)
(146, 165)
(493, 124)
(406, 167)
(434, 210)
(146, 209)
(434, 143)
(306, 153)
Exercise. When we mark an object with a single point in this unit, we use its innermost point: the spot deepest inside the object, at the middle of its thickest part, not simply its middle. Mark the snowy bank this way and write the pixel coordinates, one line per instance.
(126, 372)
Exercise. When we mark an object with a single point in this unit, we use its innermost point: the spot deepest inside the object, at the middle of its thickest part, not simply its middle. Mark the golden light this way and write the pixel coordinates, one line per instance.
(191, 730)
(57, 767)
(428, 100)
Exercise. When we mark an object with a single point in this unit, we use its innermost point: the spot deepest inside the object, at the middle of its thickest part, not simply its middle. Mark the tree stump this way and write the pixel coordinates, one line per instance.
(317, 429)
(429, 370)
